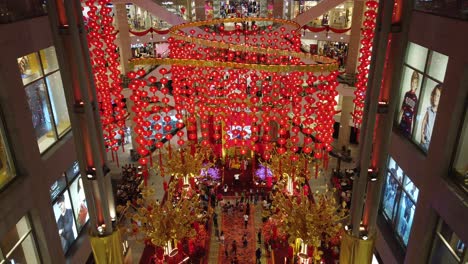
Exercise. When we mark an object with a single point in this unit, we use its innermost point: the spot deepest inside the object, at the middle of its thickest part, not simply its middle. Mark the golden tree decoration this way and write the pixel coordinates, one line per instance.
(185, 162)
(314, 220)
(162, 224)
(290, 165)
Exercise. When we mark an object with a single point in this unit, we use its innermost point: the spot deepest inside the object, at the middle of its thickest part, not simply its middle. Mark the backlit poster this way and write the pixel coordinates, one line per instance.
(399, 201)
(420, 91)
(410, 89)
(78, 198)
(65, 221)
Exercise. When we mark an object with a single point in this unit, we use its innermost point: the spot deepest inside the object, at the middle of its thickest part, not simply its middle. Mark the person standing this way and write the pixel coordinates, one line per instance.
(246, 220)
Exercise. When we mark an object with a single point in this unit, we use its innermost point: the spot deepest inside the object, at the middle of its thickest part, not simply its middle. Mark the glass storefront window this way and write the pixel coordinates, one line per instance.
(44, 90)
(30, 68)
(18, 245)
(460, 164)
(49, 60)
(420, 92)
(58, 103)
(447, 247)
(41, 114)
(7, 170)
(399, 201)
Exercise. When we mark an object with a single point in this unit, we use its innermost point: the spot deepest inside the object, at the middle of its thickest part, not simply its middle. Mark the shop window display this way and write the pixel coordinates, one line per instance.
(18, 244)
(69, 205)
(447, 247)
(421, 89)
(7, 169)
(44, 91)
(460, 164)
(399, 201)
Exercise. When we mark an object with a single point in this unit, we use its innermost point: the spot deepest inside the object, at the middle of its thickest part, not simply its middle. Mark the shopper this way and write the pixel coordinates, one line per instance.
(221, 238)
(258, 255)
(234, 248)
(259, 236)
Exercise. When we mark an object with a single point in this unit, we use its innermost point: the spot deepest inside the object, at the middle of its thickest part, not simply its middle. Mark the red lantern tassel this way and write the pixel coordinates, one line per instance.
(160, 163)
(316, 170)
(151, 158)
(117, 159)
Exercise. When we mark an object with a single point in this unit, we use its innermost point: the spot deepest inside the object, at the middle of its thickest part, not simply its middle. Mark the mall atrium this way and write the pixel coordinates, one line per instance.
(233, 131)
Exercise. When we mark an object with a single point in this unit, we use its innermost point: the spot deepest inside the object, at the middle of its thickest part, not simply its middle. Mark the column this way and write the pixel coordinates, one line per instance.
(79, 88)
(200, 9)
(123, 37)
(355, 37)
(278, 8)
(347, 107)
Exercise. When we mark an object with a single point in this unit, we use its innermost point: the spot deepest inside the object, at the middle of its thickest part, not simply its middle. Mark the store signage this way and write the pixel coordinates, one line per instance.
(57, 187)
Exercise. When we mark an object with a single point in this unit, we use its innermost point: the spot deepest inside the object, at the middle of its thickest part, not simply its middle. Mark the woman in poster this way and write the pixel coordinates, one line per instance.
(83, 211)
(429, 117)
(408, 107)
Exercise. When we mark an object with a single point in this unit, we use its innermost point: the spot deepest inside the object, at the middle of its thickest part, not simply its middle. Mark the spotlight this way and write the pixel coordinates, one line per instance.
(91, 173)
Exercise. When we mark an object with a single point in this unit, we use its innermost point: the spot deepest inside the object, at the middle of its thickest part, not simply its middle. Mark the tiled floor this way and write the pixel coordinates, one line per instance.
(157, 182)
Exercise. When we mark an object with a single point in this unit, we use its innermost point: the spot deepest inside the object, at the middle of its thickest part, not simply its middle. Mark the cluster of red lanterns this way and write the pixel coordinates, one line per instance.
(243, 106)
(367, 32)
(105, 63)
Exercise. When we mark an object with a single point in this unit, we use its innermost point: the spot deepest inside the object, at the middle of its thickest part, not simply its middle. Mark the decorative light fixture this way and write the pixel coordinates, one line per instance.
(251, 77)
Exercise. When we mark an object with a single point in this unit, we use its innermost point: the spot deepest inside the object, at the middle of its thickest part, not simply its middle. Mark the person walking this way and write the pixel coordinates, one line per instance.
(259, 236)
(234, 248)
(215, 219)
(258, 255)
(244, 240)
(221, 238)
(246, 220)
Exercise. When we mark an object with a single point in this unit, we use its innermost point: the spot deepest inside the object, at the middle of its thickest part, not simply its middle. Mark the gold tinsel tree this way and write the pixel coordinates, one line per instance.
(315, 220)
(290, 164)
(171, 221)
(185, 162)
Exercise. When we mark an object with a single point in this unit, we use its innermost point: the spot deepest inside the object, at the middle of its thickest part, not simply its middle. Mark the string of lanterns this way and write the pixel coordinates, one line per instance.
(105, 63)
(367, 32)
(239, 105)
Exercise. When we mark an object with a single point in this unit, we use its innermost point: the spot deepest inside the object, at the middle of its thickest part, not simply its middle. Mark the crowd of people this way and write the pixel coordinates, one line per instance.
(127, 188)
(241, 8)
